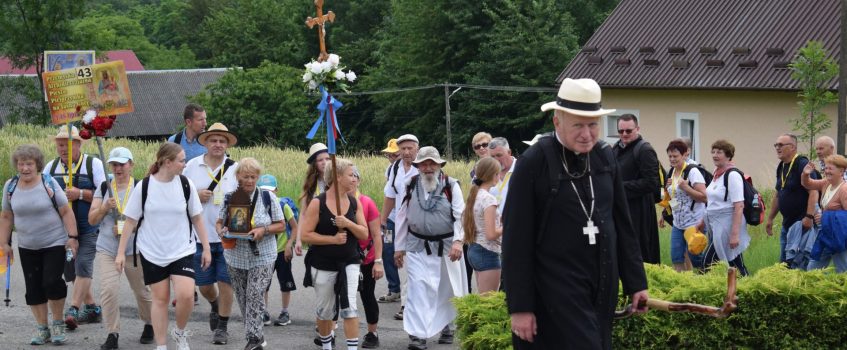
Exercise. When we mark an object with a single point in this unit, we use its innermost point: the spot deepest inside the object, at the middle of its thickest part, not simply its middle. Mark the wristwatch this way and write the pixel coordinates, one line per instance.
(81, 193)
(378, 261)
(73, 237)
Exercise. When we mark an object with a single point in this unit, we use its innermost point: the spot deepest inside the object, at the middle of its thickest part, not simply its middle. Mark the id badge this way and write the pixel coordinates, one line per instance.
(218, 196)
(120, 226)
(388, 236)
(674, 204)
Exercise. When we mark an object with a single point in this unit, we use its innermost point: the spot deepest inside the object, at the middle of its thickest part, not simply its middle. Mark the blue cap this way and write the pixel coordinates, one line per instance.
(267, 182)
(120, 155)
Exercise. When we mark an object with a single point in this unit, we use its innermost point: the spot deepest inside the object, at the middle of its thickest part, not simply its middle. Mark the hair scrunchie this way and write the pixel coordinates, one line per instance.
(477, 181)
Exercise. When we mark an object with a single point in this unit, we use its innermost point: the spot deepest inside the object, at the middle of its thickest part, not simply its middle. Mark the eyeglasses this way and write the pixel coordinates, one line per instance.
(779, 145)
(625, 131)
(480, 145)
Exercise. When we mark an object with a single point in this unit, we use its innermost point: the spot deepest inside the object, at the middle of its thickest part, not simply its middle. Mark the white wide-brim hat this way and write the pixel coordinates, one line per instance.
(581, 97)
(430, 153)
(534, 139)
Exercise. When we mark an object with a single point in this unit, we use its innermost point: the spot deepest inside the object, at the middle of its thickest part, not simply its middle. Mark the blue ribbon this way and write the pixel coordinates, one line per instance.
(328, 107)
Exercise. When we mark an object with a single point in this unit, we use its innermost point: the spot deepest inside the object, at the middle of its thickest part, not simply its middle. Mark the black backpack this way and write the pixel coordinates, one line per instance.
(754, 205)
(89, 168)
(186, 192)
(178, 137)
(393, 169)
(707, 175)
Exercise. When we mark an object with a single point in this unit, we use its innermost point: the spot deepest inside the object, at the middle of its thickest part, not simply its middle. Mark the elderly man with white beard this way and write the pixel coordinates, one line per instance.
(429, 243)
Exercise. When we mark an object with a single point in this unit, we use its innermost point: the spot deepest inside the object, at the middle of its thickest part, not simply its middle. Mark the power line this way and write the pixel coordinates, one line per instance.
(466, 86)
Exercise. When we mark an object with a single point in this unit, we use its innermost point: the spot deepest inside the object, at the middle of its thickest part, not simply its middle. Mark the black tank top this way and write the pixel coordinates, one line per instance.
(329, 257)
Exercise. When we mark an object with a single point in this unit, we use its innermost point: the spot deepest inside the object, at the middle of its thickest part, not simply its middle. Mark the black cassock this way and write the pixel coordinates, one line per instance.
(570, 285)
(641, 182)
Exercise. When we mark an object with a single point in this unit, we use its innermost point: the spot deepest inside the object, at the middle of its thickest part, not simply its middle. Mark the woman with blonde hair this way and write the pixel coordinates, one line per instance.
(332, 264)
(832, 238)
(251, 261)
(481, 228)
(165, 242)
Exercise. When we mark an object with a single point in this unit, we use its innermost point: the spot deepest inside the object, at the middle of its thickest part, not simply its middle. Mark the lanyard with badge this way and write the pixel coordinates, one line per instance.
(786, 173)
(501, 185)
(67, 177)
(218, 193)
(675, 180)
(119, 225)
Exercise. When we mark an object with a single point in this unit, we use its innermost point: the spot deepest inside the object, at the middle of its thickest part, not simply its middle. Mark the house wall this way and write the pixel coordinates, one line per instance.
(750, 120)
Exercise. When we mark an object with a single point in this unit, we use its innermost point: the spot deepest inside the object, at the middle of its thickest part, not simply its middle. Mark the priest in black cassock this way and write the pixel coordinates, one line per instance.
(568, 238)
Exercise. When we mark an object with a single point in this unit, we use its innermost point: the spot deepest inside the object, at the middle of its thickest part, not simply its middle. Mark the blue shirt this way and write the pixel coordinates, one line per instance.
(192, 148)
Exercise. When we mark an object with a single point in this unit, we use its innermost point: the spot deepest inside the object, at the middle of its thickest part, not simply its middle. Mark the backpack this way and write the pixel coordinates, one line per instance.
(754, 205)
(227, 163)
(557, 175)
(46, 180)
(707, 176)
(447, 190)
(89, 168)
(266, 199)
(393, 169)
(178, 137)
(658, 193)
(186, 192)
(104, 187)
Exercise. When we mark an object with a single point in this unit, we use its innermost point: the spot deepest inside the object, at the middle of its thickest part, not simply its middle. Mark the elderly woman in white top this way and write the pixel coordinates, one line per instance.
(832, 238)
(46, 228)
(251, 261)
(724, 219)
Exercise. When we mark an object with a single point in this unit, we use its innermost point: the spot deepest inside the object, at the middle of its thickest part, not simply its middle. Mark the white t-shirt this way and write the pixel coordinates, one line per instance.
(683, 215)
(398, 190)
(164, 236)
(716, 191)
(201, 175)
(483, 201)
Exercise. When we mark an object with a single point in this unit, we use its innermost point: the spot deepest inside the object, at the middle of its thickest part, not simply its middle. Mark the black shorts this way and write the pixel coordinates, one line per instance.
(153, 273)
(43, 274)
(283, 274)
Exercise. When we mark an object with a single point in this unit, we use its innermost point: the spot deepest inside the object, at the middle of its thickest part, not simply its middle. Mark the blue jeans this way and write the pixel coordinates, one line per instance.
(783, 237)
(679, 246)
(840, 260)
(391, 273)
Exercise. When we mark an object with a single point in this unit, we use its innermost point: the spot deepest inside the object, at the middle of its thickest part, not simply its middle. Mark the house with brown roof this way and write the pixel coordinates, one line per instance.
(708, 70)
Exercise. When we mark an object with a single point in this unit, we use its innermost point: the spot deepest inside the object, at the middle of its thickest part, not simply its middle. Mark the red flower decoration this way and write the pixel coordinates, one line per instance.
(113, 117)
(108, 123)
(85, 134)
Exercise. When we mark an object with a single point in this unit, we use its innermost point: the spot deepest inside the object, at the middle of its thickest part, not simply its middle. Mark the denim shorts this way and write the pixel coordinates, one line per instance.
(482, 259)
(217, 271)
(84, 262)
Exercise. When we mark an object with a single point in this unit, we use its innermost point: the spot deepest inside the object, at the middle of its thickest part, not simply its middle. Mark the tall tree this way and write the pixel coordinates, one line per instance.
(815, 71)
(37, 26)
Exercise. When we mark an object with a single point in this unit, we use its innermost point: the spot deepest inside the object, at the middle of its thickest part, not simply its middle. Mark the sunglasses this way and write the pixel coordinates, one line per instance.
(625, 131)
(480, 145)
(780, 145)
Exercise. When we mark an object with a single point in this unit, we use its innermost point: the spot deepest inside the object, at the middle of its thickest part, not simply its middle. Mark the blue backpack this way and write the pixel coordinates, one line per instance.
(283, 201)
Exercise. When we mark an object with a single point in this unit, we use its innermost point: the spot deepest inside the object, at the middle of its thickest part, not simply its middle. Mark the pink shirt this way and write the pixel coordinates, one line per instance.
(371, 214)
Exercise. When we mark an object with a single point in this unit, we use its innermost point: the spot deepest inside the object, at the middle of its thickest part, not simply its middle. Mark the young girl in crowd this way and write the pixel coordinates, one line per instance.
(481, 229)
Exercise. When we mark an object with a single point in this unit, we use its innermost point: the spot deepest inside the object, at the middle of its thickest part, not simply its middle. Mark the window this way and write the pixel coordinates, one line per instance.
(688, 126)
(610, 124)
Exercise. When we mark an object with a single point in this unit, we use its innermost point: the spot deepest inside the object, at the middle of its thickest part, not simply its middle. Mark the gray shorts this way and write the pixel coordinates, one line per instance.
(84, 263)
(324, 284)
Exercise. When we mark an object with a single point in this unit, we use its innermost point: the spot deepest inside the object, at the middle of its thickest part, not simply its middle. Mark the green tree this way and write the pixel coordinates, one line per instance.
(33, 27)
(265, 104)
(528, 45)
(22, 97)
(815, 72)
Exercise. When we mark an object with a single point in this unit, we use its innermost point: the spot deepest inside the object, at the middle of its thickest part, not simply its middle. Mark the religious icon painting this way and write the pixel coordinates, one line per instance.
(238, 216)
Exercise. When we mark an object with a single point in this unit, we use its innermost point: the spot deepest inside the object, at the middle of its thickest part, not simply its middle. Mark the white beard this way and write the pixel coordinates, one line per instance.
(430, 181)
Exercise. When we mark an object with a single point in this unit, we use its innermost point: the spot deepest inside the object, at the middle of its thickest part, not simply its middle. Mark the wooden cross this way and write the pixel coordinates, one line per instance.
(320, 21)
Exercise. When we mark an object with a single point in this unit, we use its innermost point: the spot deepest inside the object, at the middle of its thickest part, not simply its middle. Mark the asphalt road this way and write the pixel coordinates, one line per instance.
(17, 324)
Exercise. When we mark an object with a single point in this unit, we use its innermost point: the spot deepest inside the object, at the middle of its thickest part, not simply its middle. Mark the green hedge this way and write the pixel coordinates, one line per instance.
(777, 309)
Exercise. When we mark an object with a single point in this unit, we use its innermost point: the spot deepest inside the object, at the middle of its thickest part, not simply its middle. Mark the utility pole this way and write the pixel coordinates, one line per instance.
(842, 81)
(447, 95)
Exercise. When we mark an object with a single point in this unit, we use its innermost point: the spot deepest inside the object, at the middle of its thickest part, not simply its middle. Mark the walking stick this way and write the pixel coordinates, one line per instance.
(8, 274)
(729, 303)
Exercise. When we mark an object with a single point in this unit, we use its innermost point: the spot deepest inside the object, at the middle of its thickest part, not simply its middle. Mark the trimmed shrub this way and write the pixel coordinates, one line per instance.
(777, 309)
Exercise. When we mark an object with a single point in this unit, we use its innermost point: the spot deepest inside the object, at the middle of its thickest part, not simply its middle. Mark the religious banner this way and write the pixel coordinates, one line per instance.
(59, 60)
(102, 87)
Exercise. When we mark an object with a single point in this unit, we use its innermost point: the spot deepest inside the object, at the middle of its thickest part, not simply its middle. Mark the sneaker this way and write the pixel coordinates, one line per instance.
(181, 339)
(111, 342)
(90, 314)
(221, 337)
(266, 318)
(146, 335)
(399, 316)
(254, 343)
(283, 320)
(446, 336)
(213, 321)
(318, 337)
(71, 318)
(391, 297)
(58, 333)
(416, 343)
(42, 335)
(196, 300)
(371, 341)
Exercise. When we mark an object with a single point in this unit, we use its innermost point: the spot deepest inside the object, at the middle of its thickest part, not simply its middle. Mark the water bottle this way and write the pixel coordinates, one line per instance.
(69, 255)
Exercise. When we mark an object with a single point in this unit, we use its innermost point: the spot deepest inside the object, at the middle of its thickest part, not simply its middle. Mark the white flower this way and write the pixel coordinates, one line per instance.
(325, 67)
(339, 75)
(315, 68)
(306, 77)
(333, 59)
(351, 76)
(313, 85)
(89, 116)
